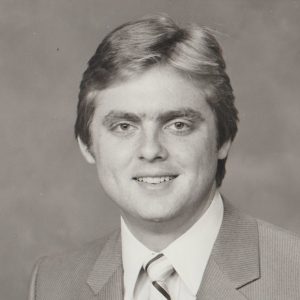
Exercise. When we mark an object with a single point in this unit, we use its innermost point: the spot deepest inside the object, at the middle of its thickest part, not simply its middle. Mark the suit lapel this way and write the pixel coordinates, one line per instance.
(106, 277)
(234, 261)
(216, 286)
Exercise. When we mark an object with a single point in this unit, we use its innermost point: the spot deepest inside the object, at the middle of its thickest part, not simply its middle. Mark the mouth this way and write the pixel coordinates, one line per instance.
(155, 179)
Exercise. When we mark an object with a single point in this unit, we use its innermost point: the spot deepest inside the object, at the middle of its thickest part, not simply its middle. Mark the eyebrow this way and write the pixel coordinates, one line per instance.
(164, 117)
(120, 115)
(188, 113)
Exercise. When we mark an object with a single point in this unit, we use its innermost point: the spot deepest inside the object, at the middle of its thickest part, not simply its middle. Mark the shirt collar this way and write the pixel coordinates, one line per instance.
(133, 256)
(188, 254)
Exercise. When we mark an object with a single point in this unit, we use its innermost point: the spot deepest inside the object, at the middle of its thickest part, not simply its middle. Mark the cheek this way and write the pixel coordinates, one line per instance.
(111, 156)
(195, 152)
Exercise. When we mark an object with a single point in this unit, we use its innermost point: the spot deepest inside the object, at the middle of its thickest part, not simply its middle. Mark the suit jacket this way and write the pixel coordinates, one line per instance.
(251, 259)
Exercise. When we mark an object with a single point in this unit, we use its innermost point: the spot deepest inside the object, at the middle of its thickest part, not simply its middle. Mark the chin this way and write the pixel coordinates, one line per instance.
(157, 217)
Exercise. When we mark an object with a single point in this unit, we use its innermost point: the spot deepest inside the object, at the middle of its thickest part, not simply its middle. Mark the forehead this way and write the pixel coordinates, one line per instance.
(157, 90)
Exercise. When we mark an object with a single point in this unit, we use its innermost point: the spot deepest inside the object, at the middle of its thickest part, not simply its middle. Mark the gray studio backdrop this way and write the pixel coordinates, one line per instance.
(50, 198)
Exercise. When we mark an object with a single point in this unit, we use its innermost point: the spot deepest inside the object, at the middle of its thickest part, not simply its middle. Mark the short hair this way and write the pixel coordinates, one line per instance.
(135, 47)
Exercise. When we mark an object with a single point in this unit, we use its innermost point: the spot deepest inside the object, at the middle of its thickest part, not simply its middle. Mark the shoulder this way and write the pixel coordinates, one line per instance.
(269, 253)
(274, 247)
(66, 273)
(278, 244)
(72, 260)
(270, 230)
(279, 264)
(268, 235)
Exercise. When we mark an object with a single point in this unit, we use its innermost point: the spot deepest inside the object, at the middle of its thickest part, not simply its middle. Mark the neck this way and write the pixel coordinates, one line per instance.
(156, 235)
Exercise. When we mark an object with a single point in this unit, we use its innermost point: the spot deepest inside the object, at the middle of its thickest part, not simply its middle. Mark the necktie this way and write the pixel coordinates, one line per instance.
(159, 269)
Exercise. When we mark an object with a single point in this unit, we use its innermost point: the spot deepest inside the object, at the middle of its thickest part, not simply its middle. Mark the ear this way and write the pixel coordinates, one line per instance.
(224, 149)
(86, 151)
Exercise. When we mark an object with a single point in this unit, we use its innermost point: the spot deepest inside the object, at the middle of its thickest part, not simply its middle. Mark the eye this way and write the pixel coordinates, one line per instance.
(179, 127)
(123, 128)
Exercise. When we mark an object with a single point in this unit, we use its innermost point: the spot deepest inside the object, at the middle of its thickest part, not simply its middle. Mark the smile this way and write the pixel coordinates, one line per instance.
(155, 180)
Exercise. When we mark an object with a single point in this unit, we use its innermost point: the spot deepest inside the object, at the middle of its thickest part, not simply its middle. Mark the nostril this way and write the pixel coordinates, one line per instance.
(150, 157)
(151, 146)
(152, 153)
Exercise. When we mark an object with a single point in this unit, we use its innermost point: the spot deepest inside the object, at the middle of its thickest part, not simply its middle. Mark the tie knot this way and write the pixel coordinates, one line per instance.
(158, 268)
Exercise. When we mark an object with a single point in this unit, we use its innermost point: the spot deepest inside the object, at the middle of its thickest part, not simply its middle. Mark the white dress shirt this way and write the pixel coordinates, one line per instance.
(188, 254)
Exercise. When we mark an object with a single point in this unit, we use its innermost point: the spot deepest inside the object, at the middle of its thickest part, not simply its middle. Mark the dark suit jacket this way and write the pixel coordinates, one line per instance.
(251, 259)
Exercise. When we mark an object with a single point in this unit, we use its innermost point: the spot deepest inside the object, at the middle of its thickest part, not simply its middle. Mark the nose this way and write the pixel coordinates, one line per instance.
(151, 147)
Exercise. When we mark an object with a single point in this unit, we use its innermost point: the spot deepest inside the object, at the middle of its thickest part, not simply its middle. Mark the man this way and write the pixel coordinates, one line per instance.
(156, 115)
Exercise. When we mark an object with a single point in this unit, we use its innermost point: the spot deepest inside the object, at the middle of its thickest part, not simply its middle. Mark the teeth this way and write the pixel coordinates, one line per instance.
(155, 180)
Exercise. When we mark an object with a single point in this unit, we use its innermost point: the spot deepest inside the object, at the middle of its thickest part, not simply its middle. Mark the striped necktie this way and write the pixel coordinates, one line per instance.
(159, 269)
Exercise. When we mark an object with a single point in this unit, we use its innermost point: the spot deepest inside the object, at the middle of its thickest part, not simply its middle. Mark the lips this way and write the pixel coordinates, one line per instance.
(155, 179)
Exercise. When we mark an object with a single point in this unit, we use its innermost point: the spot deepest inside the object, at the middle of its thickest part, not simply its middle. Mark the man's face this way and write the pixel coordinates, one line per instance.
(154, 143)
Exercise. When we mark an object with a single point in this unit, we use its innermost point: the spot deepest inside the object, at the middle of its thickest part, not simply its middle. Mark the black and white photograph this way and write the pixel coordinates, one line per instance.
(150, 150)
